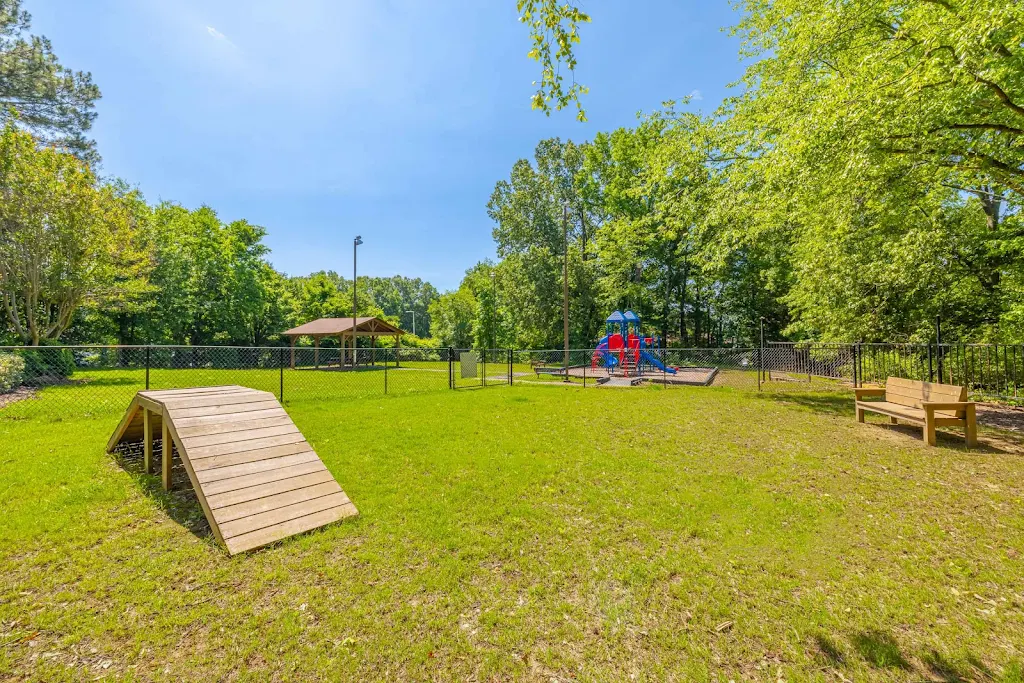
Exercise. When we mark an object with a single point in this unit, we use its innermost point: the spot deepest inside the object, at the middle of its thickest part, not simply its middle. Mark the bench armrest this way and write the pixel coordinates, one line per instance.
(870, 391)
(932, 406)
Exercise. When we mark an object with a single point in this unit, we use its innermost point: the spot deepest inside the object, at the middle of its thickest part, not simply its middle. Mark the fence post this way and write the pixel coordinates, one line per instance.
(856, 355)
(147, 367)
(280, 381)
(385, 372)
(938, 345)
(510, 367)
(451, 369)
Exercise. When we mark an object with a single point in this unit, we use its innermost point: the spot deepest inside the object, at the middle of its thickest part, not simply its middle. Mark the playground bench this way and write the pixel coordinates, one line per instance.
(921, 403)
(548, 371)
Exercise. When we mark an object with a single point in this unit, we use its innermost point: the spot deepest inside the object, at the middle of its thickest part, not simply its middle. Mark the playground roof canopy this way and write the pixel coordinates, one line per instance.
(631, 317)
(616, 317)
(342, 327)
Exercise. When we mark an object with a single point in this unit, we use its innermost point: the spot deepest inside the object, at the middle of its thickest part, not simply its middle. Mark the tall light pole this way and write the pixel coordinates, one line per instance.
(494, 313)
(565, 284)
(355, 301)
(413, 322)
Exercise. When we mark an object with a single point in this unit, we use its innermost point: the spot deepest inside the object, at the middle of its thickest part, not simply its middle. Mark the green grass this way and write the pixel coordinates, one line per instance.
(532, 533)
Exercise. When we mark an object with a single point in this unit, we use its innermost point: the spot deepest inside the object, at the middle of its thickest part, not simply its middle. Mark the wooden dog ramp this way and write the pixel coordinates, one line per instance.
(255, 475)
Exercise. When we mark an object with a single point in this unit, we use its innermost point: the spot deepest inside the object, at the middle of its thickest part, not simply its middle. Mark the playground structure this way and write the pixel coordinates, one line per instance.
(256, 477)
(624, 350)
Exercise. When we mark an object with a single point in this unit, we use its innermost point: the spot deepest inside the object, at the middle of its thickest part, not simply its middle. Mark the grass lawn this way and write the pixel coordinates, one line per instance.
(535, 533)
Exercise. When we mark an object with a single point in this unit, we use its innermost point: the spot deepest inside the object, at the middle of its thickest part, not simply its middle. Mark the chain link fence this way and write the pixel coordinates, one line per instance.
(85, 380)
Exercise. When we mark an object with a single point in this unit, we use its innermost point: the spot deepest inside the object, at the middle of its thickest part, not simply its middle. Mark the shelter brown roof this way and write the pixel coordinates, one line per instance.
(328, 327)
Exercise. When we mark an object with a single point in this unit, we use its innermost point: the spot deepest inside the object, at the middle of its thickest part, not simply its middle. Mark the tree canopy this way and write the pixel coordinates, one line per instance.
(52, 101)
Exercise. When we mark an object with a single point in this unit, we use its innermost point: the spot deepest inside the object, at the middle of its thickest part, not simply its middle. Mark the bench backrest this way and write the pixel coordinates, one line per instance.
(912, 393)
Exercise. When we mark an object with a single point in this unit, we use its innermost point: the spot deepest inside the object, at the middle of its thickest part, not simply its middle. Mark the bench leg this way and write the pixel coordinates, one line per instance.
(860, 414)
(929, 429)
(893, 421)
(971, 427)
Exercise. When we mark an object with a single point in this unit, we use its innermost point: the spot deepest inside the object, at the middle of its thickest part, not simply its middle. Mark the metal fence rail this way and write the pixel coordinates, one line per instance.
(96, 379)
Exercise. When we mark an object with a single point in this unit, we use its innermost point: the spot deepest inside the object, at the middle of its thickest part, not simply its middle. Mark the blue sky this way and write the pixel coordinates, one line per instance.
(325, 119)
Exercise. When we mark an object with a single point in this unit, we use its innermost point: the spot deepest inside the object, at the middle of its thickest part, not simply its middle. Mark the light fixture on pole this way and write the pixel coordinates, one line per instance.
(355, 301)
(413, 322)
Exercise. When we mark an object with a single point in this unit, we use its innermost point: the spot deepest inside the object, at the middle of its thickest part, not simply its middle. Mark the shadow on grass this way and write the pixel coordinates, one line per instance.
(880, 650)
(829, 650)
(180, 503)
(842, 406)
(829, 404)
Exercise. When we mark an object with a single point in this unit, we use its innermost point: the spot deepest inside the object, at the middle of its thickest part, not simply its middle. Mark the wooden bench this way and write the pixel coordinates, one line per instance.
(922, 403)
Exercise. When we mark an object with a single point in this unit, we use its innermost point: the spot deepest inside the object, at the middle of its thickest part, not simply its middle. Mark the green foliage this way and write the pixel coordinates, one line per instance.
(43, 365)
(12, 372)
(62, 238)
(55, 103)
(554, 30)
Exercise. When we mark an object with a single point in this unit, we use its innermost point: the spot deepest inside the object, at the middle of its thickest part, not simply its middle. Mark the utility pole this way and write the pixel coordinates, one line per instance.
(355, 300)
(413, 322)
(494, 313)
(565, 285)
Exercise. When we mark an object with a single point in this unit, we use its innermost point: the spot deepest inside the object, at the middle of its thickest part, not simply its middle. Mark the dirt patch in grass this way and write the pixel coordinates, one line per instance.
(19, 394)
(1001, 416)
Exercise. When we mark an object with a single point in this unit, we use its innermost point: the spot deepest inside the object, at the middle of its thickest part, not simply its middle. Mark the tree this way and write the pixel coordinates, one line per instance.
(53, 102)
(453, 315)
(59, 237)
(540, 212)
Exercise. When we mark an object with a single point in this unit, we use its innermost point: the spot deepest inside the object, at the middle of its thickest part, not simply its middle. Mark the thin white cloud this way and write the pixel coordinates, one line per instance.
(695, 95)
(217, 35)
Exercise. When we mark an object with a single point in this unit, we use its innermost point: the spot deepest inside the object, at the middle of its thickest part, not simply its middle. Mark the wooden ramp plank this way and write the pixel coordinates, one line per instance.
(216, 461)
(228, 427)
(243, 481)
(249, 508)
(271, 488)
(255, 475)
(262, 537)
(243, 469)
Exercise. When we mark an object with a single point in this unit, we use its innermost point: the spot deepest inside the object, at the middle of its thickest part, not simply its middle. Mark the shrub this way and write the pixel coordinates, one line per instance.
(12, 372)
(44, 365)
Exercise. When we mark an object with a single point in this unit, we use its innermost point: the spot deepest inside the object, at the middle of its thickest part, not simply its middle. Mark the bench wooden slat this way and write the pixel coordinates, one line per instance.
(904, 399)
